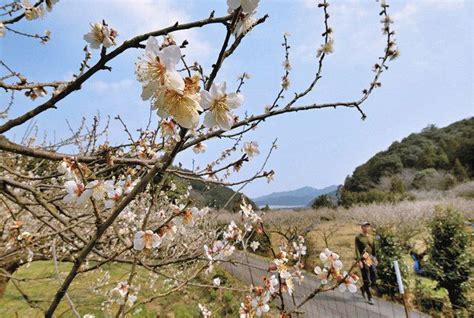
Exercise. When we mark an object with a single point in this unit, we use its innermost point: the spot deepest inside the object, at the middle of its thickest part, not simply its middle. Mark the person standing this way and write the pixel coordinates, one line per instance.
(367, 259)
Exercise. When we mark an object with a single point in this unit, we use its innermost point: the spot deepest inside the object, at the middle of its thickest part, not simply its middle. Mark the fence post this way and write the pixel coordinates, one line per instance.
(400, 287)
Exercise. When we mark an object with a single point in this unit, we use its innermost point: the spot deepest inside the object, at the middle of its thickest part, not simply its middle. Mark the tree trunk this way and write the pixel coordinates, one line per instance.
(7, 269)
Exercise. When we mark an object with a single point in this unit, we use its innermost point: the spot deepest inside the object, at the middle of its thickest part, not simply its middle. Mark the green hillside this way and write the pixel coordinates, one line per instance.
(435, 158)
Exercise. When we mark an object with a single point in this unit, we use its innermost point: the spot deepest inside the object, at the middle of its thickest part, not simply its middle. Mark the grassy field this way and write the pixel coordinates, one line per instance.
(90, 290)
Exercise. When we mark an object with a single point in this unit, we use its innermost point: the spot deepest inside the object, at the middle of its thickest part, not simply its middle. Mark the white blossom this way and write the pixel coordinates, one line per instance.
(122, 288)
(157, 68)
(100, 34)
(206, 313)
(330, 259)
(75, 192)
(247, 5)
(199, 148)
(254, 245)
(218, 105)
(146, 239)
(251, 149)
(244, 24)
(349, 282)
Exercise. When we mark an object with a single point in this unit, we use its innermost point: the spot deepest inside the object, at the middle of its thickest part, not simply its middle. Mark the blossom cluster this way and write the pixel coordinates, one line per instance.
(180, 98)
(183, 218)
(110, 192)
(331, 272)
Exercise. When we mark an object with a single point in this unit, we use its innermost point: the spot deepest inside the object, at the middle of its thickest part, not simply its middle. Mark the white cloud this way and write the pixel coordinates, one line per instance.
(444, 4)
(101, 87)
(406, 14)
(134, 17)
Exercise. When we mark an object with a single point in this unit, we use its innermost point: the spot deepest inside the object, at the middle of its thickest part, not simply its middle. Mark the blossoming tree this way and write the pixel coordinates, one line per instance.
(113, 203)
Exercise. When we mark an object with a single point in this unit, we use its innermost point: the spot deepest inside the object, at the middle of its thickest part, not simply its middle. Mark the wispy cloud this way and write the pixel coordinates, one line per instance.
(131, 18)
(112, 87)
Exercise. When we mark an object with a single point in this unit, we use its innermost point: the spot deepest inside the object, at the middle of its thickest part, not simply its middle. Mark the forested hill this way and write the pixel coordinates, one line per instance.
(202, 193)
(433, 158)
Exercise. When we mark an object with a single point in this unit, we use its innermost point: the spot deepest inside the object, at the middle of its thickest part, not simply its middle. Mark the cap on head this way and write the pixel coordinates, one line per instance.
(364, 223)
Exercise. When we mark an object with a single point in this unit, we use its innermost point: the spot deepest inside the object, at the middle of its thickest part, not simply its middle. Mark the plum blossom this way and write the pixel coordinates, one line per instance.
(98, 189)
(113, 194)
(170, 129)
(206, 313)
(326, 48)
(216, 281)
(36, 92)
(260, 303)
(2, 29)
(146, 239)
(270, 176)
(218, 250)
(199, 148)
(254, 245)
(182, 105)
(299, 248)
(32, 12)
(349, 283)
(75, 192)
(290, 286)
(100, 34)
(157, 68)
(244, 24)
(247, 5)
(127, 185)
(25, 236)
(171, 94)
(330, 259)
(89, 316)
(272, 284)
(122, 288)
(322, 275)
(251, 149)
(65, 168)
(218, 105)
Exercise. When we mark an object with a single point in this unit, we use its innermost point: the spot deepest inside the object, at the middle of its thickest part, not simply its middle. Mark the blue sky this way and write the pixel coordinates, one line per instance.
(431, 83)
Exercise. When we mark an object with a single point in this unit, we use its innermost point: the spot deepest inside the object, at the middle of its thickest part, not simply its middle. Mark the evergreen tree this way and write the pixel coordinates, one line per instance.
(449, 261)
(397, 185)
(389, 248)
(459, 170)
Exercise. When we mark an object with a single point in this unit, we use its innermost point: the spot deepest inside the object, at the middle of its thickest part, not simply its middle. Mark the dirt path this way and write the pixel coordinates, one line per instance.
(328, 304)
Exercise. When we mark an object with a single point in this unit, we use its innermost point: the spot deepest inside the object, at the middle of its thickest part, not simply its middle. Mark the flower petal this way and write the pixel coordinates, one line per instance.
(234, 100)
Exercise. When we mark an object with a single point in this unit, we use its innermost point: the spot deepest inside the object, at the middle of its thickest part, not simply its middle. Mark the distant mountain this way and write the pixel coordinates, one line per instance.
(298, 197)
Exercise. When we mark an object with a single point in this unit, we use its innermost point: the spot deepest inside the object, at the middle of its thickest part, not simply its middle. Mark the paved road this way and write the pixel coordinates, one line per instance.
(327, 304)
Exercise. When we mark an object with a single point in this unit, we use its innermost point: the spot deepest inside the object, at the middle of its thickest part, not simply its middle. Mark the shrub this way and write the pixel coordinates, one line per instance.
(424, 178)
(459, 170)
(323, 201)
(430, 300)
(397, 185)
(389, 248)
(449, 263)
